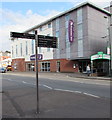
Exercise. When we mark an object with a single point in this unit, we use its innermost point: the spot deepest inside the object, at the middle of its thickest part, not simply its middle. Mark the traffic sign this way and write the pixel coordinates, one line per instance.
(47, 41)
(22, 35)
(39, 56)
(43, 41)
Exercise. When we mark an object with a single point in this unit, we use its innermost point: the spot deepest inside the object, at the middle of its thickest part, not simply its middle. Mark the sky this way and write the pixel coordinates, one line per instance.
(18, 16)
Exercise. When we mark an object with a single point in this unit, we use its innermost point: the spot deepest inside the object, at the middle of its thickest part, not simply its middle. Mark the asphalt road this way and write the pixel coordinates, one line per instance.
(60, 97)
(87, 87)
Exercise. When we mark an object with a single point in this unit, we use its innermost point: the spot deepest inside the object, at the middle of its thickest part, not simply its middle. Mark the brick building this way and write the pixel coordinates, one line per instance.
(79, 31)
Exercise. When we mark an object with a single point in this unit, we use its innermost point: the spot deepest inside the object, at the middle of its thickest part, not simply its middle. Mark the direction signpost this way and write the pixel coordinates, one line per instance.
(40, 41)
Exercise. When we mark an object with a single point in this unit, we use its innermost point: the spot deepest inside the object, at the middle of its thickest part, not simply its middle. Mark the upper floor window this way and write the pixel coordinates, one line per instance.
(49, 25)
(33, 41)
(48, 49)
(79, 16)
(57, 24)
(12, 52)
(16, 50)
(21, 48)
(26, 47)
(40, 50)
(40, 28)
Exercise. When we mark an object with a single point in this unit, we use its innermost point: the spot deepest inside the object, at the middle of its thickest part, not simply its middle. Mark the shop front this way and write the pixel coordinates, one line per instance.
(100, 64)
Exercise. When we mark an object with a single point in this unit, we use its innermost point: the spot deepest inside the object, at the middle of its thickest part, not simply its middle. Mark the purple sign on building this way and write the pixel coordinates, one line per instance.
(71, 31)
(40, 57)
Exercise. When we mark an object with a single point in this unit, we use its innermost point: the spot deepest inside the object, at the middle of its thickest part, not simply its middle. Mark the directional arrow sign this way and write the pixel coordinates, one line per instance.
(43, 41)
(47, 41)
(22, 35)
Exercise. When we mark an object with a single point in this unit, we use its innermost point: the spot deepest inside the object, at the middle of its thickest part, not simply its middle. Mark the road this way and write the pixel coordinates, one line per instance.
(96, 88)
(77, 97)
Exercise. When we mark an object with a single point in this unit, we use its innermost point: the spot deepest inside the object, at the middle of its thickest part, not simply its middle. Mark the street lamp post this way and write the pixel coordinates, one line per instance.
(109, 44)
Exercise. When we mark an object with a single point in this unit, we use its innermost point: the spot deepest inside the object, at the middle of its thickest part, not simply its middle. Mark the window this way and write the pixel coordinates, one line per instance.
(12, 52)
(80, 35)
(48, 49)
(21, 49)
(33, 46)
(45, 66)
(26, 47)
(57, 24)
(16, 50)
(40, 50)
(57, 35)
(79, 16)
(49, 25)
(40, 28)
(67, 17)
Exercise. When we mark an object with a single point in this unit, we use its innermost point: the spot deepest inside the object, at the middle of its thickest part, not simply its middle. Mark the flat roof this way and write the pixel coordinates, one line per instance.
(70, 10)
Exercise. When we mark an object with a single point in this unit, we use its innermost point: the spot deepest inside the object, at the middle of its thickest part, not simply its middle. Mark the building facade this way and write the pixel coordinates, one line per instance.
(5, 58)
(80, 33)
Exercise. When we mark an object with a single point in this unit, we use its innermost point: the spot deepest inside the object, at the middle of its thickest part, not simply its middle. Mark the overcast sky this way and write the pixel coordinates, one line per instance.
(19, 16)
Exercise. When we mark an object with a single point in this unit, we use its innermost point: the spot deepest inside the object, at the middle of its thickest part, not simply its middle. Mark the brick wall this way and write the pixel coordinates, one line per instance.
(65, 65)
(18, 65)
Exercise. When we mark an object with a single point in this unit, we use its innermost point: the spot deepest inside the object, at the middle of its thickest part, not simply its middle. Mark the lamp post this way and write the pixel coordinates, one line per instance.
(109, 43)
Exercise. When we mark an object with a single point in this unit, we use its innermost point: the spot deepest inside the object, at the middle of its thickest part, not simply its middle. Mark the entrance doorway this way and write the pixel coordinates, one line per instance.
(82, 65)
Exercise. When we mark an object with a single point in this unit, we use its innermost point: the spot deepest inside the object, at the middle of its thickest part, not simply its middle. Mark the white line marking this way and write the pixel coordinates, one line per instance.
(78, 92)
(27, 83)
(68, 91)
(9, 79)
(47, 86)
(91, 95)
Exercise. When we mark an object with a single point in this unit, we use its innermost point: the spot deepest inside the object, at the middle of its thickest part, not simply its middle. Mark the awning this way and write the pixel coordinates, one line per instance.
(100, 55)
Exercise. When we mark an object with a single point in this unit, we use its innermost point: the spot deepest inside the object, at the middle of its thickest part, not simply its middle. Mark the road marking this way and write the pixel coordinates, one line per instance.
(9, 79)
(78, 92)
(91, 95)
(28, 83)
(47, 86)
(68, 91)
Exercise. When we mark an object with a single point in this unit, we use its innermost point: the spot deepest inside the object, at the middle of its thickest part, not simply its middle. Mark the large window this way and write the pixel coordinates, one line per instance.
(45, 66)
(12, 52)
(67, 18)
(49, 25)
(16, 50)
(33, 41)
(57, 24)
(79, 16)
(26, 47)
(40, 50)
(21, 49)
(48, 49)
(80, 32)
(80, 35)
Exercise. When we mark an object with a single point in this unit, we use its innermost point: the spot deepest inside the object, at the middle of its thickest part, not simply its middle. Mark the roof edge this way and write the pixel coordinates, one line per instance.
(67, 11)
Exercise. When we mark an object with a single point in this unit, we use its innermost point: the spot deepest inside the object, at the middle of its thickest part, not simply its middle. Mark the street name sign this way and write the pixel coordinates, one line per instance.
(33, 57)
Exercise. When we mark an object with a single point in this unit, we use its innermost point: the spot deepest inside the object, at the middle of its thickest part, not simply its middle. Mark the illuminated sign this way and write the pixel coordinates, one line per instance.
(71, 30)
(100, 55)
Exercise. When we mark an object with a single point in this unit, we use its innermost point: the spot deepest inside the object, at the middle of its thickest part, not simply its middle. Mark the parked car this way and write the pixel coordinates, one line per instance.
(9, 68)
(2, 70)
